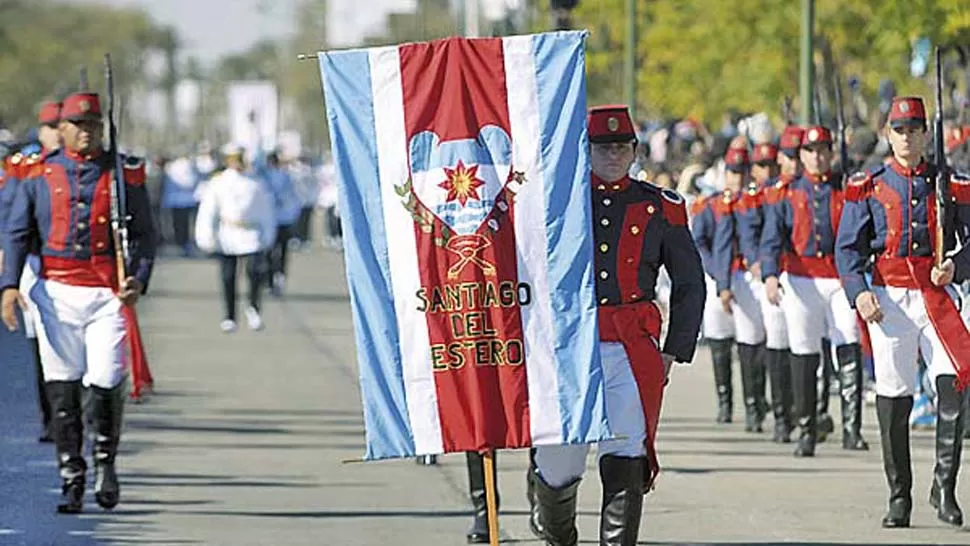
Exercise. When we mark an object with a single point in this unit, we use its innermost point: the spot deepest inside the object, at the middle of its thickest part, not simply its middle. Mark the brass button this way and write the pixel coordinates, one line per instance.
(607, 202)
(915, 246)
(78, 247)
(915, 202)
(601, 187)
(604, 274)
(100, 244)
(635, 230)
(616, 187)
(629, 260)
(604, 248)
(915, 224)
(650, 209)
(81, 204)
(635, 296)
(605, 222)
(604, 301)
(819, 254)
(102, 219)
(818, 237)
(81, 225)
(58, 190)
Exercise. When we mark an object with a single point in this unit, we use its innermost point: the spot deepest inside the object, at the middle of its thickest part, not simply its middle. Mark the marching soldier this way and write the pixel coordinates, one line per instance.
(890, 214)
(731, 255)
(49, 140)
(638, 228)
(718, 326)
(799, 238)
(64, 202)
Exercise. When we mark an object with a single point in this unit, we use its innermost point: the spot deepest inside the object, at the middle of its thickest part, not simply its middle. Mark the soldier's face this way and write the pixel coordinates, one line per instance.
(733, 181)
(908, 142)
(81, 136)
(787, 165)
(611, 160)
(763, 171)
(49, 137)
(817, 158)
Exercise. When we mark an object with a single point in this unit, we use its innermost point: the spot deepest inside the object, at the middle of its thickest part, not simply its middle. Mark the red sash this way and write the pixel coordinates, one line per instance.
(914, 273)
(637, 327)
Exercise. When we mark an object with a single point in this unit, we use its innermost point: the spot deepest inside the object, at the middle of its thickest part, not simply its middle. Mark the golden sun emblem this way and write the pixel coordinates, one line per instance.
(462, 183)
(612, 124)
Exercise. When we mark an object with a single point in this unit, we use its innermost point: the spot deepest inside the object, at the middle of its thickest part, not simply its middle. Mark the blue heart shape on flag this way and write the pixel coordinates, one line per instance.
(458, 180)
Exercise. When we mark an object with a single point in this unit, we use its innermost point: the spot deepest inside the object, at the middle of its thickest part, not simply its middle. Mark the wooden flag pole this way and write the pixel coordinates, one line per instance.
(488, 457)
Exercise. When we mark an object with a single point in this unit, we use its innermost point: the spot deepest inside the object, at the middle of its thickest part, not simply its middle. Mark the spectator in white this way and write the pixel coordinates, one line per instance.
(237, 223)
(307, 188)
(287, 205)
(328, 200)
(179, 196)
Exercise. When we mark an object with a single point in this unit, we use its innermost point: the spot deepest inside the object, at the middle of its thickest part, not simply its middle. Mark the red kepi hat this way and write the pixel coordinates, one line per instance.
(907, 111)
(81, 107)
(50, 113)
(736, 160)
(765, 153)
(611, 123)
(791, 140)
(816, 134)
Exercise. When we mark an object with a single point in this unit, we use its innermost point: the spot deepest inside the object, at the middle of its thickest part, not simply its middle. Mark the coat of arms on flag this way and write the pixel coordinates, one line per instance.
(464, 192)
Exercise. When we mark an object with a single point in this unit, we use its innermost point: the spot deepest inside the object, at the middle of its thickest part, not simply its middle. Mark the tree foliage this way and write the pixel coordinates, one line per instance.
(704, 57)
(43, 43)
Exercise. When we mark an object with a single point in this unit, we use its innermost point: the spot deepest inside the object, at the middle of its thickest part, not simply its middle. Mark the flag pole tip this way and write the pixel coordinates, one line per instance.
(306, 56)
(352, 461)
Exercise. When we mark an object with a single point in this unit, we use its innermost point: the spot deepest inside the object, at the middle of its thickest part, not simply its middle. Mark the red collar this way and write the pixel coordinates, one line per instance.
(920, 169)
(619, 185)
(71, 154)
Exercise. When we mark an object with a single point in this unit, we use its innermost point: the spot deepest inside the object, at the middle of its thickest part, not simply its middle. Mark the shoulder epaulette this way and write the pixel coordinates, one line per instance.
(134, 168)
(698, 205)
(675, 207)
(960, 188)
(859, 186)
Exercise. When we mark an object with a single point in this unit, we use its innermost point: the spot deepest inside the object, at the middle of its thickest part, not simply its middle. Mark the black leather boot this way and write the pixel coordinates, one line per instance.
(45, 406)
(779, 370)
(893, 415)
(824, 424)
(68, 431)
(721, 357)
(803, 371)
(751, 363)
(623, 481)
(850, 390)
(478, 533)
(535, 524)
(557, 511)
(950, 419)
(107, 410)
(760, 375)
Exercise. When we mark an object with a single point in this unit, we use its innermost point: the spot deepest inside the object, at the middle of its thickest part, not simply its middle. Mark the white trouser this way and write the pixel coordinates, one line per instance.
(749, 324)
(27, 280)
(561, 465)
(814, 309)
(904, 332)
(717, 324)
(776, 331)
(81, 333)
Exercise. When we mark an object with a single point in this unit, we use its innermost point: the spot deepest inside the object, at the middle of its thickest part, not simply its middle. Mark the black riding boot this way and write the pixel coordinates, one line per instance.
(779, 369)
(557, 511)
(107, 409)
(721, 357)
(950, 419)
(535, 524)
(824, 425)
(752, 364)
(893, 415)
(623, 481)
(803, 370)
(45, 405)
(478, 533)
(68, 432)
(850, 389)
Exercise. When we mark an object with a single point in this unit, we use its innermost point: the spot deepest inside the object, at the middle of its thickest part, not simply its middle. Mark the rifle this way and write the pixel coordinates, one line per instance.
(941, 168)
(817, 100)
(119, 209)
(786, 110)
(840, 119)
(82, 79)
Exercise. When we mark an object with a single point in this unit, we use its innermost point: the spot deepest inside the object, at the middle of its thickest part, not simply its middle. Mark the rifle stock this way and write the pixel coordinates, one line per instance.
(840, 118)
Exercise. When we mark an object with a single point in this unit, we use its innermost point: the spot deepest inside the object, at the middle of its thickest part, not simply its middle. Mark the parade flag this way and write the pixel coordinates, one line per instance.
(465, 202)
